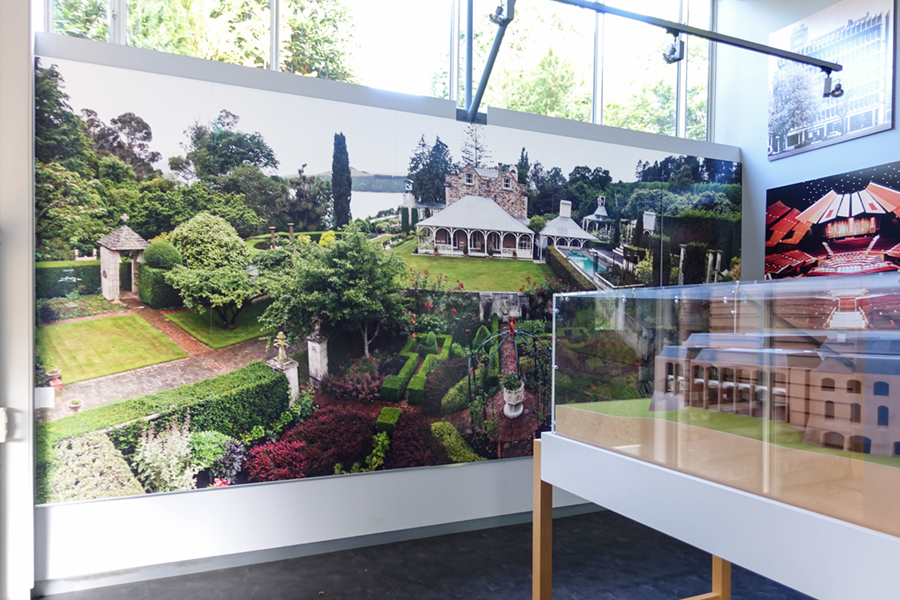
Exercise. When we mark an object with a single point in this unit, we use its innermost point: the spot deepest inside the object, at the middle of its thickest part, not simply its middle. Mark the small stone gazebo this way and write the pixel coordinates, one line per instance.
(123, 239)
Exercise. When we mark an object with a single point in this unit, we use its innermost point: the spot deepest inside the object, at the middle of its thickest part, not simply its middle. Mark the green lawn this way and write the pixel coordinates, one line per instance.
(206, 326)
(89, 349)
(780, 434)
(476, 274)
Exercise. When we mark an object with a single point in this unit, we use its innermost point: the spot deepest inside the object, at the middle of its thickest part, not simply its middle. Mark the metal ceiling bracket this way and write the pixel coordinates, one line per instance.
(503, 17)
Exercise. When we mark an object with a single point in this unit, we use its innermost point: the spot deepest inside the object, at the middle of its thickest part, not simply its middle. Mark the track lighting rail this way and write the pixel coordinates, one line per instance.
(728, 40)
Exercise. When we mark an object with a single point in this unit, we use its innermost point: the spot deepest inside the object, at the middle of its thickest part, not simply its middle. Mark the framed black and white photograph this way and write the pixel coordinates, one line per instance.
(807, 110)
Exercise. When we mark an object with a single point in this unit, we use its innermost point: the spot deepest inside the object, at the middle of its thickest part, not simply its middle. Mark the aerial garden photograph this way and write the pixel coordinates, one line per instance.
(220, 304)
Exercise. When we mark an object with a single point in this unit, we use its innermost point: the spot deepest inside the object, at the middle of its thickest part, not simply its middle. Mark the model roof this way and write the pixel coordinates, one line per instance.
(475, 212)
(123, 238)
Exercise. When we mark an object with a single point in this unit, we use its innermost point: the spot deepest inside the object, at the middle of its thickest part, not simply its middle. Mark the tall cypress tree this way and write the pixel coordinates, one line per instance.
(341, 181)
(415, 218)
(404, 219)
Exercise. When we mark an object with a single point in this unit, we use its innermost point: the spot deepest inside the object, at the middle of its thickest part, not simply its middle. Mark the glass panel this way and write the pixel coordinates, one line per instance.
(638, 85)
(771, 388)
(82, 18)
(234, 31)
(697, 71)
(545, 65)
(401, 46)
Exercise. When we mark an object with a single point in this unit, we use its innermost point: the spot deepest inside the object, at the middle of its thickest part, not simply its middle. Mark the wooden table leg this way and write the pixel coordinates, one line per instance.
(721, 581)
(542, 536)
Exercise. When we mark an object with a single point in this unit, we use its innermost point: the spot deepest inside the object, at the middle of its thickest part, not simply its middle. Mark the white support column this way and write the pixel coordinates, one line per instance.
(274, 35)
(17, 301)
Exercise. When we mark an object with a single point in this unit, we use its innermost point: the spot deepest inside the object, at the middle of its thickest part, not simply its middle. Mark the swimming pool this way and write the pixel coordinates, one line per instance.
(584, 261)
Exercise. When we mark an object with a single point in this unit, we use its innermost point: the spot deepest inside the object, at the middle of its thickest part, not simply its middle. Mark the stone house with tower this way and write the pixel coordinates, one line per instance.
(486, 214)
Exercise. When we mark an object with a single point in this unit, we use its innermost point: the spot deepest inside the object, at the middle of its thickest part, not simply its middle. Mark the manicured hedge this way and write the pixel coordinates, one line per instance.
(457, 448)
(393, 386)
(90, 467)
(416, 388)
(48, 274)
(457, 397)
(387, 419)
(233, 404)
(153, 289)
(564, 270)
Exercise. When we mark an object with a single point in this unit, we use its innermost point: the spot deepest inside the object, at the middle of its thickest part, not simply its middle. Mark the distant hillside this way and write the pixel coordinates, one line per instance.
(369, 182)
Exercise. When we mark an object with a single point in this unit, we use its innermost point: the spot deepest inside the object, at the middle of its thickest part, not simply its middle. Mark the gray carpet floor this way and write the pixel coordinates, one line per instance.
(598, 556)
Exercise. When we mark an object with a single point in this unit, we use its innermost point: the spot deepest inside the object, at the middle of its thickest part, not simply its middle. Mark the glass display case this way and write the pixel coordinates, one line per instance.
(784, 389)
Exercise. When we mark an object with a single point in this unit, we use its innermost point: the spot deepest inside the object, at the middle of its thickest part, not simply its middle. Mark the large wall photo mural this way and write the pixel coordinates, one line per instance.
(846, 224)
(238, 286)
(858, 35)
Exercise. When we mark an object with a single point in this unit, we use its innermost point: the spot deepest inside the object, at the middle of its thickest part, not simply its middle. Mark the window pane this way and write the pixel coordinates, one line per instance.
(697, 71)
(545, 65)
(233, 31)
(82, 18)
(401, 46)
(638, 85)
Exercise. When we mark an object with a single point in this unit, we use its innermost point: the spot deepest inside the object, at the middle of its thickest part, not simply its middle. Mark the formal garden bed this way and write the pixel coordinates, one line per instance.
(94, 348)
(50, 310)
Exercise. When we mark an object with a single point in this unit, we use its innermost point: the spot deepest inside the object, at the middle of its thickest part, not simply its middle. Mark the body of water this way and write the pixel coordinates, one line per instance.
(585, 262)
(368, 204)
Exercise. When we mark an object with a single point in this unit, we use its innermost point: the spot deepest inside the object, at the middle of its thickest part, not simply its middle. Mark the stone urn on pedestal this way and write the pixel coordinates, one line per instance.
(513, 396)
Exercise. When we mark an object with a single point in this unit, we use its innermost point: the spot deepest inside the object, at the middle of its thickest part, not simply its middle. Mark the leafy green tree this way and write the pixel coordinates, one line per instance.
(127, 137)
(551, 89)
(59, 135)
(350, 285)
(213, 274)
(235, 31)
(68, 208)
(404, 219)
(341, 181)
(650, 109)
(428, 169)
(415, 218)
(549, 189)
(82, 18)
(308, 203)
(160, 208)
(216, 148)
(266, 195)
(315, 37)
(537, 223)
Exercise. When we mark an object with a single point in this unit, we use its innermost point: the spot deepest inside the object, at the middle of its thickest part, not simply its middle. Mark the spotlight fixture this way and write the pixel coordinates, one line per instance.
(832, 92)
(503, 13)
(675, 52)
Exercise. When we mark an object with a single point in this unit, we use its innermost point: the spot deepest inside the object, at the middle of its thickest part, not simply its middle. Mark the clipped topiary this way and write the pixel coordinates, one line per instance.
(480, 336)
(429, 346)
(162, 255)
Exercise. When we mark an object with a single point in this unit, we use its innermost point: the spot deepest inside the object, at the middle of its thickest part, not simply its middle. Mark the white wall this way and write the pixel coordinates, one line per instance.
(742, 119)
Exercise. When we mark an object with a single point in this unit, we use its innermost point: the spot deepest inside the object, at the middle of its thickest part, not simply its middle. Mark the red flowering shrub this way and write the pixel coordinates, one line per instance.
(354, 387)
(330, 436)
(412, 444)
